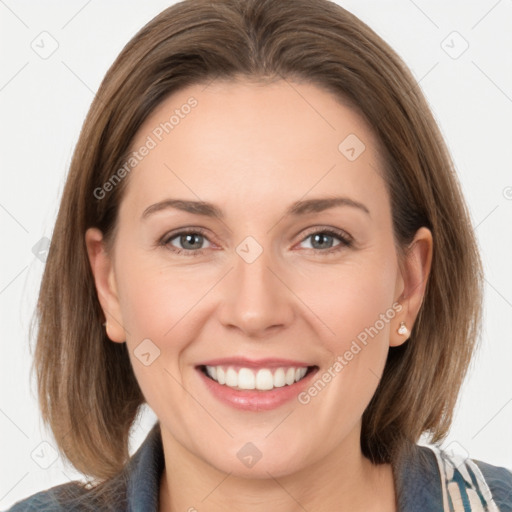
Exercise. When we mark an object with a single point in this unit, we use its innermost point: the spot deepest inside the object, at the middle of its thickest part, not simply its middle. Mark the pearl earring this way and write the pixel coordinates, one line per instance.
(402, 329)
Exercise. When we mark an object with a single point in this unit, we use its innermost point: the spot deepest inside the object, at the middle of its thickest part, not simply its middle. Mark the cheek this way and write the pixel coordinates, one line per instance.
(356, 304)
(153, 297)
(146, 305)
(157, 306)
(351, 298)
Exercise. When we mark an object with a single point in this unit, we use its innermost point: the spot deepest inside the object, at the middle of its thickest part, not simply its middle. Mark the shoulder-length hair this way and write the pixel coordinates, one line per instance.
(87, 390)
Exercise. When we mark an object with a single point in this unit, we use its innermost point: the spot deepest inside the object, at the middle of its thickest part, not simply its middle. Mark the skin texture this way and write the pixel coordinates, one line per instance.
(253, 150)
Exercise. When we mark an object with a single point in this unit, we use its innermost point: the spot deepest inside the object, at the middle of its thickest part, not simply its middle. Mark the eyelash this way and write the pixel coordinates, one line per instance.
(345, 241)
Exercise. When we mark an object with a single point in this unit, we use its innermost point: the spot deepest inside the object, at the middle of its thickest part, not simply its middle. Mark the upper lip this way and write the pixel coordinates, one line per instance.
(269, 362)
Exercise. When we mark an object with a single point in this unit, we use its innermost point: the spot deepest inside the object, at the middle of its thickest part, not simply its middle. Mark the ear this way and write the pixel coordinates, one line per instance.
(414, 272)
(103, 272)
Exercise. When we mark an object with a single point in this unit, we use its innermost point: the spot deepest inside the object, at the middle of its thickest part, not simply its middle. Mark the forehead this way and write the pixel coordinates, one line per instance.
(275, 143)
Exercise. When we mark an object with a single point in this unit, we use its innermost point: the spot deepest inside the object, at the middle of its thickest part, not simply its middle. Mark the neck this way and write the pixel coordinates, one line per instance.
(343, 480)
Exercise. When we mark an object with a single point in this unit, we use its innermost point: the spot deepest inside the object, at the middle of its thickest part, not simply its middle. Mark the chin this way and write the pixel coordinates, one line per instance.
(258, 460)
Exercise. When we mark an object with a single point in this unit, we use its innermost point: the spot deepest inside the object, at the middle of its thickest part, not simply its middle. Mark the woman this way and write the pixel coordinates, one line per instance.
(228, 143)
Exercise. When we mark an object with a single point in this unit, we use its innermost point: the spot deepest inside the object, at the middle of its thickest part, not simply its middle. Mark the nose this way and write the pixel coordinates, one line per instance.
(255, 298)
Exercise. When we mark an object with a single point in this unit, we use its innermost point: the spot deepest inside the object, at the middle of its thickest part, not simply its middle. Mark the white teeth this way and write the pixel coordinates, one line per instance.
(231, 378)
(262, 379)
(279, 380)
(246, 379)
(221, 375)
(212, 372)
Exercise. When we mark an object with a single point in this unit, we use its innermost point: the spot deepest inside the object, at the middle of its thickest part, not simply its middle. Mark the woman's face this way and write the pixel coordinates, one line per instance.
(255, 244)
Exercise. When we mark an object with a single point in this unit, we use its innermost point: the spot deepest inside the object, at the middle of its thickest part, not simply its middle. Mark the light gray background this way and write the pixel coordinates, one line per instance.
(43, 103)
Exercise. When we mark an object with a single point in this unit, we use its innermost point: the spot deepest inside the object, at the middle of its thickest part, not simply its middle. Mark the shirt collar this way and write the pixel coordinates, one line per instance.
(145, 470)
(418, 482)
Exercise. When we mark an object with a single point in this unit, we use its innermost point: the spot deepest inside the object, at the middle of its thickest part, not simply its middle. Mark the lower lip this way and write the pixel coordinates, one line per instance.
(253, 400)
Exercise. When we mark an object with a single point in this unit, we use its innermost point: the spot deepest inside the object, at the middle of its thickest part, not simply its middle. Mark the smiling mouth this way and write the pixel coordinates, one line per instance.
(263, 379)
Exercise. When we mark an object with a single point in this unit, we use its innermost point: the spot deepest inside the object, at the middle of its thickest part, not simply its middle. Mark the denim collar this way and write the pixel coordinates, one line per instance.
(145, 470)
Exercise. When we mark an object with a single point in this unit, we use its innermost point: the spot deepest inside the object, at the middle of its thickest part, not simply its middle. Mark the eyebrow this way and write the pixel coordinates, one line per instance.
(206, 209)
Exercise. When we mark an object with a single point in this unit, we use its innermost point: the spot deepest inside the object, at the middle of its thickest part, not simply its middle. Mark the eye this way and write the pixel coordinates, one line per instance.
(323, 240)
(186, 242)
(190, 242)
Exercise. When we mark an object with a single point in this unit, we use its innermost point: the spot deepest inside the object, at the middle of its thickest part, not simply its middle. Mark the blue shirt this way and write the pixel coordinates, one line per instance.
(418, 483)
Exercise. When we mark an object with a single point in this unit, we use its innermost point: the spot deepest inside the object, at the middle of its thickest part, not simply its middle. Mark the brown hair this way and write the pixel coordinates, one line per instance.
(87, 390)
